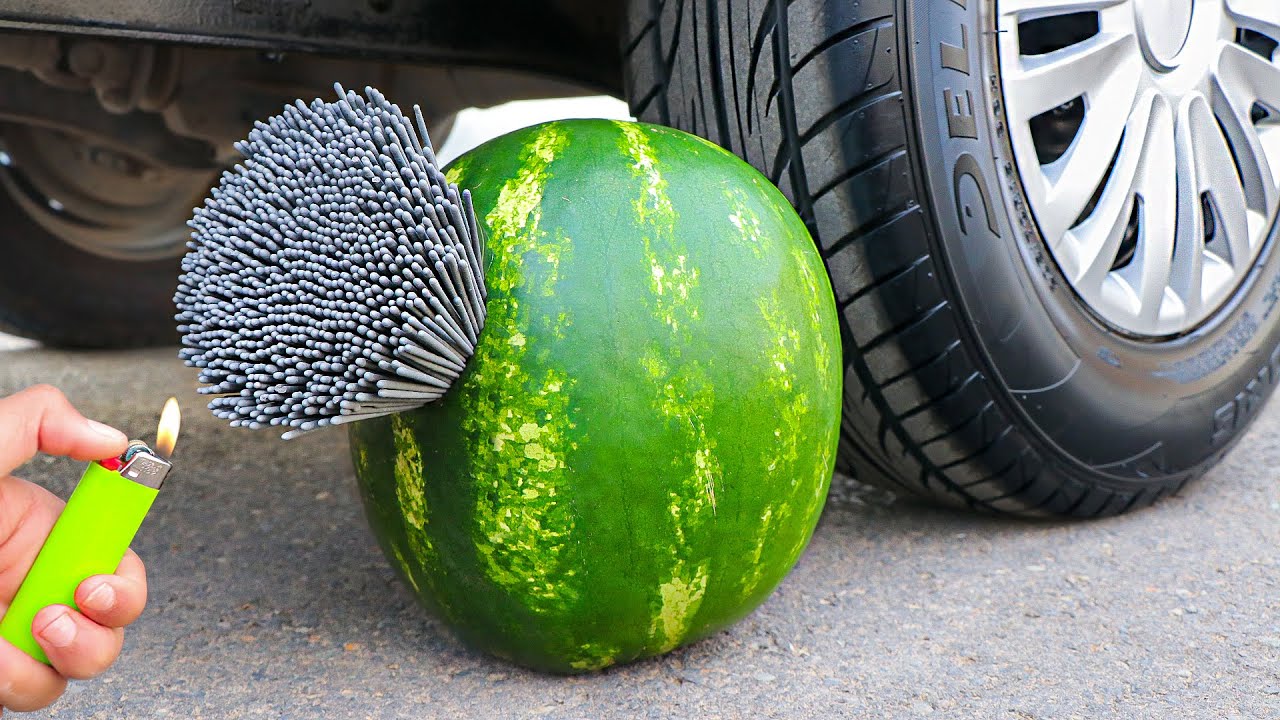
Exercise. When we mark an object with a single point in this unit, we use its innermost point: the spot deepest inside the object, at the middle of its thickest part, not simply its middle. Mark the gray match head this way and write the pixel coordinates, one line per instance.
(324, 284)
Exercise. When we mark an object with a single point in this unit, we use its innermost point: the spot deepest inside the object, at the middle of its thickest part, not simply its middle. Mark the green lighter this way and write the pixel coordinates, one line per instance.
(94, 531)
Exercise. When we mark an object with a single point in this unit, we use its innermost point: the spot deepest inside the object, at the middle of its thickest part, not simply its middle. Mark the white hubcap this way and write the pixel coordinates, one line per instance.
(1163, 26)
(1147, 137)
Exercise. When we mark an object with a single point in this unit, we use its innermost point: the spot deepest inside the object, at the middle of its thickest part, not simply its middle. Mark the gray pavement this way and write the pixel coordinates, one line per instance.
(270, 599)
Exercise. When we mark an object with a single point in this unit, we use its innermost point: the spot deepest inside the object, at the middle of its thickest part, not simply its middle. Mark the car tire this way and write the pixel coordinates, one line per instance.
(976, 373)
(66, 297)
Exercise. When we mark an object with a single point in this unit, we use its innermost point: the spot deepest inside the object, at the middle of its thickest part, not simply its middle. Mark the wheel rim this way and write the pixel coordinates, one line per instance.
(94, 194)
(1147, 139)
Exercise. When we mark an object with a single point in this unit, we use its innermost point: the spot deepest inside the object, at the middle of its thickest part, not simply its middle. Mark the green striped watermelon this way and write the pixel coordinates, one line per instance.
(641, 446)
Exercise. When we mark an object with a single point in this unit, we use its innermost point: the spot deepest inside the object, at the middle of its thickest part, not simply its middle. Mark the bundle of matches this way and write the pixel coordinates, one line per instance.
(335, 274)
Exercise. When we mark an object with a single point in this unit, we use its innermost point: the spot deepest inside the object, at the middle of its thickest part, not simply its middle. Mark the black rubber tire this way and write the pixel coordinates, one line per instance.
(62, 296)
(974, 375)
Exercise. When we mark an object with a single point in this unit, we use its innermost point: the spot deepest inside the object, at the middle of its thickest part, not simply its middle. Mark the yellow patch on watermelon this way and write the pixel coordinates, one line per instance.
(362, 461)
(762, 539)
(457, 169)
(789, 347)
(410, 492)
(684, 395)
(405, 567)
(815, 288)
(680, 598)
(745, 220)
(519, 423)
(594, 656)
(672, 281)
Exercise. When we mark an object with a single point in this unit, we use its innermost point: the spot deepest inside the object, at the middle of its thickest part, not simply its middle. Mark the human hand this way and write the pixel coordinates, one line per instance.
(80, 645)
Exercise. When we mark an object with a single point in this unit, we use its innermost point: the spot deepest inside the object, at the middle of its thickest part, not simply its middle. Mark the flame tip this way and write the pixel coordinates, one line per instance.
(169, 427)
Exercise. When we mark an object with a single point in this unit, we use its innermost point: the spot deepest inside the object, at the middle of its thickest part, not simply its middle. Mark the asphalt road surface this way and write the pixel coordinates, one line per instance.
(270, 599)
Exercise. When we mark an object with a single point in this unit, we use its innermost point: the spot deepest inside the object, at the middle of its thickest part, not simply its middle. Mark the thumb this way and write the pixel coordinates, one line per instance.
(41, 419)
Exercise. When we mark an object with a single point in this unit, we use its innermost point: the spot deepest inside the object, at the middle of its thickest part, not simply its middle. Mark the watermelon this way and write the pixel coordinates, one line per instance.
(640, 448)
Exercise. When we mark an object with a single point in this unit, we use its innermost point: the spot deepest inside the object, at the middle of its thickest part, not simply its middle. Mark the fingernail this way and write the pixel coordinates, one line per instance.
(61, 632)
(106, 432)
(101, 598)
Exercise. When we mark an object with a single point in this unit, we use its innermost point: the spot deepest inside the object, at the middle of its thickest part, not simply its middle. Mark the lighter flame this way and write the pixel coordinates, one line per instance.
(170, 423)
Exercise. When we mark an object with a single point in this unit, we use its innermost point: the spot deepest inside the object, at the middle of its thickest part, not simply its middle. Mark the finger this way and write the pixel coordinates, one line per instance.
(41, 419)
(78, 647)
(25, 684)
(115, 601)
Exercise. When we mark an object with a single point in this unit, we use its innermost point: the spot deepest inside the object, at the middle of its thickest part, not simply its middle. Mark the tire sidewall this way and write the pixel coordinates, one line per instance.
(1100, 406)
